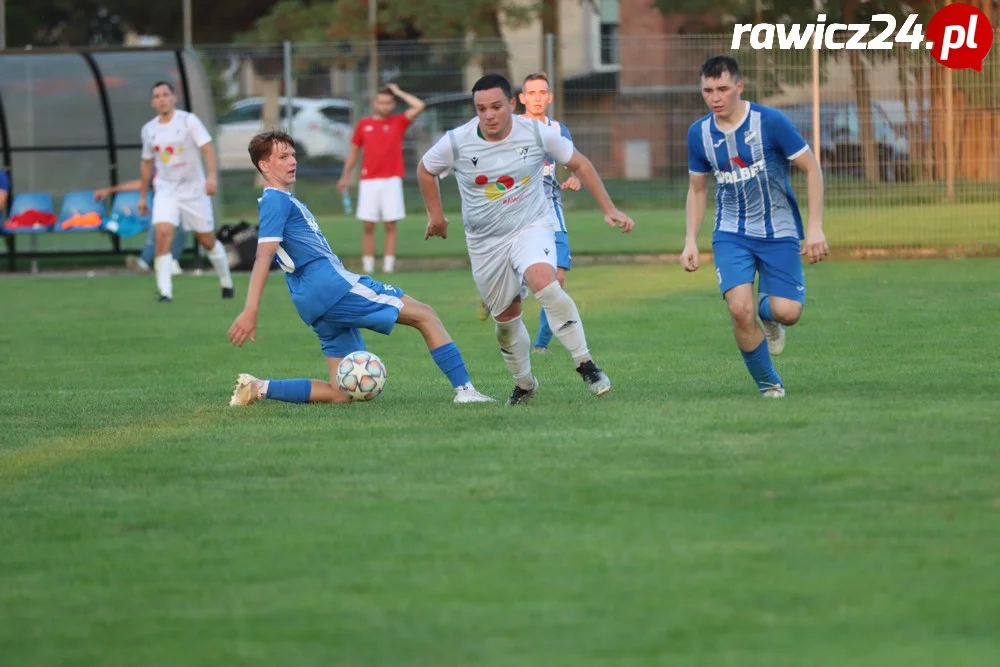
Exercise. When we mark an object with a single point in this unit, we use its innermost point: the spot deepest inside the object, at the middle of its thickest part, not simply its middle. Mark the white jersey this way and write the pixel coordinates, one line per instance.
(176, 148)
(500, 182)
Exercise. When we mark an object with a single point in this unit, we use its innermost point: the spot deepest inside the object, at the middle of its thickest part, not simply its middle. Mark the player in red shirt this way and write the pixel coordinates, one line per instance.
(380, 191)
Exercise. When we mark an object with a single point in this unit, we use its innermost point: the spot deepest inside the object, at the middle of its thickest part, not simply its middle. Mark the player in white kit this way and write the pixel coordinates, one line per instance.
(499, 160)
(173, 144)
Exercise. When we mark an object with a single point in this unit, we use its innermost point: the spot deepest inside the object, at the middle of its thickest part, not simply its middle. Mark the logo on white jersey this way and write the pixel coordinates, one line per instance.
(523, 152)
(167, 152)
(501, 188)
(475, 161)
(740, 172)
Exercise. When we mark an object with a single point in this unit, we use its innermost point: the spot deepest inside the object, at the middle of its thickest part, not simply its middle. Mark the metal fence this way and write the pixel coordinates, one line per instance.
(910, 149)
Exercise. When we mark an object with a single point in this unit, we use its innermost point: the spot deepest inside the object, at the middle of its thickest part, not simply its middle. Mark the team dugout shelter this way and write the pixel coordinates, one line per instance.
(70, 122)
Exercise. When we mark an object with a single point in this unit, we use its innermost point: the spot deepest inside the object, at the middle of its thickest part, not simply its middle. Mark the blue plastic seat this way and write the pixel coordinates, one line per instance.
(125, 220)
(27, 201)
(80, 203)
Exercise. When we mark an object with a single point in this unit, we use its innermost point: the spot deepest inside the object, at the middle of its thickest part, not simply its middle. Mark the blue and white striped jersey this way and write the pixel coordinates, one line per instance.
(751, 164)
(553, 190)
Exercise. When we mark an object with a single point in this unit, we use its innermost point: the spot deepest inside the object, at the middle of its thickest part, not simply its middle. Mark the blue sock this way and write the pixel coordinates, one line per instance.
(764, 309)
(449, 360)
(761, 369)
(544, 332)
(289, 391)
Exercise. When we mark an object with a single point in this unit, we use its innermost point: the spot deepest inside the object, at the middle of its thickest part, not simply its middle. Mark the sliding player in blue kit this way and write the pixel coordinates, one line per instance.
(334, 302)
(758, 228)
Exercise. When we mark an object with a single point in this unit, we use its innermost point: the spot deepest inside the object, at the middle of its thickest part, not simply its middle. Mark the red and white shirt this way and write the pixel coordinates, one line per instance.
(381, 139)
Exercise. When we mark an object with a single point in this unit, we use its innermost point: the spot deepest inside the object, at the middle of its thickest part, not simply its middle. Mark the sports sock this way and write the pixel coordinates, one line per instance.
(368, 264)
(761, 369)
(388, 263)
(164, 282)
(289, 391)
(515, 346)
(764, 307)
(544, 336)
(564, 319)
(449, 359)
(217, 255)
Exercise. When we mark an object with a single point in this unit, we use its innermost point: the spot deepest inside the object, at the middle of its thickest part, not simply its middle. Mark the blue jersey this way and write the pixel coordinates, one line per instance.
(553, 191)
(316, 277)
(753, 194)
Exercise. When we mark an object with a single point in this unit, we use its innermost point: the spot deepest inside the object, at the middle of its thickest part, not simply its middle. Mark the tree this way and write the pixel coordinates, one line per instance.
(67, 22)
(346, 20)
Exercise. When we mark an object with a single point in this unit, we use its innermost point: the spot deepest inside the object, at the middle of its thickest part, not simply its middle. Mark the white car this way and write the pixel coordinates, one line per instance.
(320, 127)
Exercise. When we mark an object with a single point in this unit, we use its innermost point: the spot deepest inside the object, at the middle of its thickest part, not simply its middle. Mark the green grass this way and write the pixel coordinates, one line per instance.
(657, 231)
(681, 520)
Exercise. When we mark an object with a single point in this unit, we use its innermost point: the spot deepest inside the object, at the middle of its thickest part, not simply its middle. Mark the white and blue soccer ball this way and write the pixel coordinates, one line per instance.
(361, 376)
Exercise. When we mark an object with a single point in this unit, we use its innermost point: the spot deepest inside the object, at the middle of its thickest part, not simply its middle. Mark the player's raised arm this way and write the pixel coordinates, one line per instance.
(584, 170)
(815, 247)
(694, 214)
(562, 151)
(416, 104)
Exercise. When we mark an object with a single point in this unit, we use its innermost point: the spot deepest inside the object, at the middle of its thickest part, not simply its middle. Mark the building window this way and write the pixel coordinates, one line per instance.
(609, 44)
(609, 32)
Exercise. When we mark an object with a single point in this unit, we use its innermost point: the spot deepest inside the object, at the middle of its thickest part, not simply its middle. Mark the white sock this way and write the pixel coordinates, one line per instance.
(217, 256)
(388, 263)
(515, 346)
(465, 389)
(163, 266)
(262, 389)
(368, 264)
(564, 320)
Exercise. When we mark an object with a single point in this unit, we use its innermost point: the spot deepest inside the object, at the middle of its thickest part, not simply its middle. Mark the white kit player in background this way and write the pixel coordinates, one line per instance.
(174, 143)
(498, 160)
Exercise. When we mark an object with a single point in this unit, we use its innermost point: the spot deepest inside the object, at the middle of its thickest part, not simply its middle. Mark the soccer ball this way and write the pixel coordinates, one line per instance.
(361, 375)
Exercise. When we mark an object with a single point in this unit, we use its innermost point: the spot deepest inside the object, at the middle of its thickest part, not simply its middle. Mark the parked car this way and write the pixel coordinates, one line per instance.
(840, 139)
(320, 127)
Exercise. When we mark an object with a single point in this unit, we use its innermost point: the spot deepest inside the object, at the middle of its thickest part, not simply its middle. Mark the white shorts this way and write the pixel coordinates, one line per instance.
(195, 213)
(499, 273)
(381, 199)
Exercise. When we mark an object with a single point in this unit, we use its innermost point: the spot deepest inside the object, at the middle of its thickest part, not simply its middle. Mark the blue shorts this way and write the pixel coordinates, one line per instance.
(369, 305)
(564, 260)
(738, 258)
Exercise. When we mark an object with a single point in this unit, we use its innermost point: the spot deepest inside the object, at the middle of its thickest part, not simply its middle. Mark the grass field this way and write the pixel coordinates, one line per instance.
(681, 520)
(658, 231)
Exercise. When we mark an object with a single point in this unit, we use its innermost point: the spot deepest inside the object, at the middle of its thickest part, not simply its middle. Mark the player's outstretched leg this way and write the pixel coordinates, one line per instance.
(250, 390)
(443, 350)
(775, 314)
(564, 318)
(752, 342)
(220, 262)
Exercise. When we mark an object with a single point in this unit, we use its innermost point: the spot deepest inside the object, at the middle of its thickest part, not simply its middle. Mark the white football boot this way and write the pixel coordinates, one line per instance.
(247, 391)
(468, 394)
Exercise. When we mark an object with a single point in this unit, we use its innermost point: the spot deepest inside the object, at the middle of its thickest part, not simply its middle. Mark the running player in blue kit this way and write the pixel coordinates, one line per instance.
(334, 302)
(748, 148)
